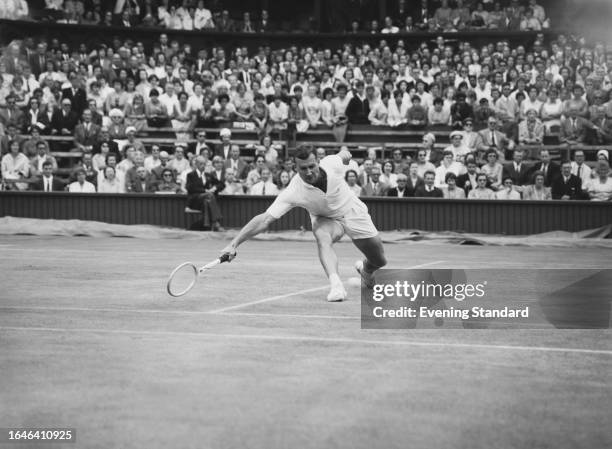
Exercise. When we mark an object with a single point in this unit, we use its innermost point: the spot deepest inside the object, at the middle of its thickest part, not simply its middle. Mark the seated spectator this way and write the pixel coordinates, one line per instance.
(427, 189)
(601, 131)
(85, 163)
(155, 111)
(233, 186)
(388, 175)
(202, 191)
(203, 19)
(135, 113)
(460, 110)
(423, 165)
(48, 182)
(152, 161)
(549, 169)
(358, 109)
(573, 128)
(179, 163)
(15, 166)
(531, 130)
(43, 155)
(110, 183)
(184, 117)
(379, 112)
(576, 103)
(141, 181)
(506, 191)
(471, 139)
(86, 134)
(64, 120)
(567, 186)
(538, 191)
(265, 185)
(457, 148)
(254, 175)
(81, 185)
(438, 115)
(278, 114)
(450, 189)
(389, 28)
(416, 115)
(493, 169)
(468, 181)
(397, 109)
(34, 118)
(447, 165)
(552, 110)
(580, 169)
(481, 191)
(517, 170)
(351, 179)
(167, 185)
(401, 190)
(482, 113)
(529, 22)
(493, 139)
(600, 187)
(117, 127)
(374, 187)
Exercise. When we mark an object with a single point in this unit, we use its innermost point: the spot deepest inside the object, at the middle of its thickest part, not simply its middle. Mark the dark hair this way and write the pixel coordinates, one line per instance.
(47, 163)
(350, 171)
(303, 152)
(450, 175)
(429, 172)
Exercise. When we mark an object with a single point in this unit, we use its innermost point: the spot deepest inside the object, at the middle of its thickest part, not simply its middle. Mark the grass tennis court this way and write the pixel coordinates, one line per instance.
(256, 358)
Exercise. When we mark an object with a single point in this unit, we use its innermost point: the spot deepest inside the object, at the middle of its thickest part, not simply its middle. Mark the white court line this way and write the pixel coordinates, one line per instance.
(299, 292)
(312, 339)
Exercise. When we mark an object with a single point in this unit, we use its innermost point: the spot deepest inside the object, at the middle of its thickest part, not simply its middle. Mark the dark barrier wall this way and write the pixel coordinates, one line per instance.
(488, 217)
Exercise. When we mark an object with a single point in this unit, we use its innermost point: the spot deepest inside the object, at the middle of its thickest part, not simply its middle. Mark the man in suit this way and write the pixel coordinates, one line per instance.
(550, 169)
(422, 15)
(223, 149)
(48, 182)
(38, 60)
(358, 107)
(467, 181)
(201, 194)
(567, 186)
(64, 120)
(11, 114)
(76, 94)
(518, 171)
(374, 187)
(428, 190)
(263, 24)
(86, 134)
(493, 139)
(401, 191)
(225, 23)
(573, 128)
(104, 137)
(601, 133)
(236, 163)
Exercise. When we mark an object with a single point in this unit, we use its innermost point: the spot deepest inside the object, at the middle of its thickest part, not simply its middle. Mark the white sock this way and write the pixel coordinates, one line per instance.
(334, 279)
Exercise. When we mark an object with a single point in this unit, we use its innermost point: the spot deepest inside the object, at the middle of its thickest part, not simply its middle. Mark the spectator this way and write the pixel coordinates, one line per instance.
(81, 185)
(110, 183)
(468, 181)
(438, 115)
(42, 155)
(517, 170)
(507, 192)
(493, 139)
(203, 18)
(573, 128)
(47, 182)
(427, 189)
(531, 130)
(374, 187)
(600, 187)
(15, 166)
(202, 191)
(167, 184)
(351, 179)
(447, 165)
(265, 185)
(567, 186)
(538, 191)
(450, 189)
(86, 134)
(481, 191)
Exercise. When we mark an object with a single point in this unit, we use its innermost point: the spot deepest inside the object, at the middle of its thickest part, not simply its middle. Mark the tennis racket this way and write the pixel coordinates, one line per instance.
(184, 277)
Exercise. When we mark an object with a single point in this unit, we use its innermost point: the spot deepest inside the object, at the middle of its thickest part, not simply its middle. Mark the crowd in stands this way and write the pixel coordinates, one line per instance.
(497, 102)
(424, 15)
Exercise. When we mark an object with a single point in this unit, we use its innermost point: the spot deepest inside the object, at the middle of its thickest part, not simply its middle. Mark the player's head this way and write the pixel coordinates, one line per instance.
(307, 165)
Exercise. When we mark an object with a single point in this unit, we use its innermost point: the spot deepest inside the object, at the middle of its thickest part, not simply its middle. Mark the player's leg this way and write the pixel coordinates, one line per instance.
(359, 227)
(327, 232)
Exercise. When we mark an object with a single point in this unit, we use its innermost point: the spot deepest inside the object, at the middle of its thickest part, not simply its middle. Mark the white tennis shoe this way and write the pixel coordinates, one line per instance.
(336, 293)
(368, 278)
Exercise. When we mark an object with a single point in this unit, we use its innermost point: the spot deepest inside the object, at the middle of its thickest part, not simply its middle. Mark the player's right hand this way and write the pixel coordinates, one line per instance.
(230, 251)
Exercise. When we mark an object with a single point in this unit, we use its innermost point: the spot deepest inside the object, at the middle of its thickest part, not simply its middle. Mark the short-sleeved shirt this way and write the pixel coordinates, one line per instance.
(335, 203)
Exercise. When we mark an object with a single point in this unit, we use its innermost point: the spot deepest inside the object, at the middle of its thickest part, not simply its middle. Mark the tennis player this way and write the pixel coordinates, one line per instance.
(334, 210)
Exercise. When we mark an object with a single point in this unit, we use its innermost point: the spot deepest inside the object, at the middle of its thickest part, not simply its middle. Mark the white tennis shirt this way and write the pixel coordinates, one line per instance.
(336, 203)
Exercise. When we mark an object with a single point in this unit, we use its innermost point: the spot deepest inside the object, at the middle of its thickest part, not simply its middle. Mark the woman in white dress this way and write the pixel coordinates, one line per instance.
(537, 191)
(493, 169)
(481, 192)
(110, 183)
(552, 110)
(388, 176)
(600, 188)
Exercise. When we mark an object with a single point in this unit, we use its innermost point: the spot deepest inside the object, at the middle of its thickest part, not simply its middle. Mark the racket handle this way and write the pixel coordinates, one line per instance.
(225, 258)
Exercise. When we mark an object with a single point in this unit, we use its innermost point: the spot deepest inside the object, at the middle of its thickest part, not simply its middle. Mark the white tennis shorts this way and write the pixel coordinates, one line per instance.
(356, 223)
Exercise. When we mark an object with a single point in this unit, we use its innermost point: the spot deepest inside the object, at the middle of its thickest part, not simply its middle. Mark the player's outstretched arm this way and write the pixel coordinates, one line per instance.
(258, 224)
